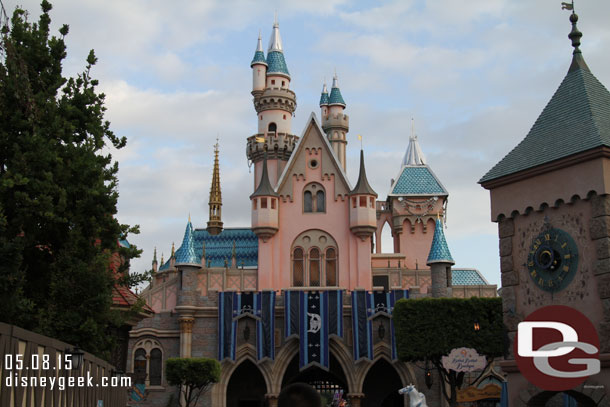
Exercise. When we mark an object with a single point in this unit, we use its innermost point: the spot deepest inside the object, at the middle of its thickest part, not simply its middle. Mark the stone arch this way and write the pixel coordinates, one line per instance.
(228, 367)
(287, 352)
(588, 392)
(404, 370)
(246, 384)
(380, 384)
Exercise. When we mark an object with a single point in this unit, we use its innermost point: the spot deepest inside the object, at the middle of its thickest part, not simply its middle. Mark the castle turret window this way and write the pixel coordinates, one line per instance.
(314, 267)
(331, 267)
(272, 127)
(320, 204)
(155, 367)
(297, 267)
(307, 202)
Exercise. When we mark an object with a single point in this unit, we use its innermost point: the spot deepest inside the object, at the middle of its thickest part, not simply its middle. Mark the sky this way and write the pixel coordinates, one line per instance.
(474, 75)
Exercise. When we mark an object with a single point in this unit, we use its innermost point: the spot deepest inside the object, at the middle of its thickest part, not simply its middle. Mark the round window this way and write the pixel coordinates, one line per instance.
(313, 163)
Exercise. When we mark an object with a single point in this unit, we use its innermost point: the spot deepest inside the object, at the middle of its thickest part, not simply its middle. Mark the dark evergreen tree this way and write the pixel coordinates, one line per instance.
(58, 191)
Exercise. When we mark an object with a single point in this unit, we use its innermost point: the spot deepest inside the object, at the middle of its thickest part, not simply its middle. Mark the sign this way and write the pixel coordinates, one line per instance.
(464, 360)
(491, 391)
(557, 348)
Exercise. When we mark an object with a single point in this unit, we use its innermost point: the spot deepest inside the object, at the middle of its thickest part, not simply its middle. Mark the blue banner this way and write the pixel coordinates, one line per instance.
(261, 307)
(365, 306)
(313, 329)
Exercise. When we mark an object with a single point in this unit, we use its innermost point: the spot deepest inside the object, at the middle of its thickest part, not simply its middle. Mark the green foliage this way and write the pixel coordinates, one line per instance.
(58, 191)
(195, 375)
(429, 328)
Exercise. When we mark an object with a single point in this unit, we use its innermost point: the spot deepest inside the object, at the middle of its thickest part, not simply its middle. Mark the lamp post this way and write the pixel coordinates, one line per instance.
(77, 356)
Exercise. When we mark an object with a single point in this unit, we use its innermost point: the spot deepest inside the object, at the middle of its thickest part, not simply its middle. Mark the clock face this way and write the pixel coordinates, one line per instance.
(553, 260)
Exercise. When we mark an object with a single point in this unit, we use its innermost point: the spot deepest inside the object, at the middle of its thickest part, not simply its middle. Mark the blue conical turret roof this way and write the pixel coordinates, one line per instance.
(324, 101)
(186, 254)
(335, 94)
(439, 251)
(259, 55)
(275, 53)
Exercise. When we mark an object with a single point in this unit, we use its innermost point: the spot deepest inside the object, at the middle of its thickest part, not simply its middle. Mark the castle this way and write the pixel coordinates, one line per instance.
(303, 293)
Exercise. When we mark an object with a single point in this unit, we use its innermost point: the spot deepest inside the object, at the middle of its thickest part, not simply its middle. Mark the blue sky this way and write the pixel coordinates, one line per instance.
(473, 74)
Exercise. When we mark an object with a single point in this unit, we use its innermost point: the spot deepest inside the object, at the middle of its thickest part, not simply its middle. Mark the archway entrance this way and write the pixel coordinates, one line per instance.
(246, 387)
(381, 386)
(326, 382)
(556, 398)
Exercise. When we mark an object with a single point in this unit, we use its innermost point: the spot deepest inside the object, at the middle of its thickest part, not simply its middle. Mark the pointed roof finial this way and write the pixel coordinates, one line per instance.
(155, 255)
(275, 43)
(362, 186)
(173, 250)
(162, 261)
(413, 155)
(575, 35)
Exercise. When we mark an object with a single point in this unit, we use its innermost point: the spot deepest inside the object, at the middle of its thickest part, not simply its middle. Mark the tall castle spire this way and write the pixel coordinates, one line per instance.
(413, 155)
(215, 203)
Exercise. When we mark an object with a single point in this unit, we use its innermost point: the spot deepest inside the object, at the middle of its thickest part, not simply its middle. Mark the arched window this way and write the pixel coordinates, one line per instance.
(155, 367)
(148, 362)
(315, 260)
(139, 366)
(314, 199)
(331, 267)
(314, 267)
(272, 127)
(297, 267)
(307, 202)
(320, 206)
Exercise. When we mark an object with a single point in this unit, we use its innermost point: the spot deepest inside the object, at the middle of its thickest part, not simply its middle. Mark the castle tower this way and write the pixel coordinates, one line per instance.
(440, 262)
(362, 213)
(275, 104)
(188, 265)
(335, 123)
(265, 207)
(215, 202)
(550, 196)
(416, 198)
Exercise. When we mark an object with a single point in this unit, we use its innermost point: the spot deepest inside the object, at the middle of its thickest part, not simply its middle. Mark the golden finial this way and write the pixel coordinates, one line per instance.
(189, 217)
(173, 249)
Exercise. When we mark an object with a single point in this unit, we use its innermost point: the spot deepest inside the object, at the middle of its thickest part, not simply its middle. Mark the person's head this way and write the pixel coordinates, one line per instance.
(299, 395)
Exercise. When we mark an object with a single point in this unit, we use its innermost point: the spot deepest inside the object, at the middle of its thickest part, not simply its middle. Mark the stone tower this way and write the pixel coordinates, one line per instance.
(275, 104)
(334, 121)
(549, 196)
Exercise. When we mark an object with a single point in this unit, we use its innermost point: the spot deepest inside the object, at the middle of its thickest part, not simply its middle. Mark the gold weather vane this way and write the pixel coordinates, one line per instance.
(568, 6)
(360, 138)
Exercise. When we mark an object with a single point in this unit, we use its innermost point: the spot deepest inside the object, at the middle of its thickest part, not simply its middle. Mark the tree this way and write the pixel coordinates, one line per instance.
(193, 375)
(429, 328)
(58, 191)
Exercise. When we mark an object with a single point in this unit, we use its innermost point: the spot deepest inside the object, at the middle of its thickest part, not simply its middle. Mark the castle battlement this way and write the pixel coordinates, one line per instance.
(277, 146)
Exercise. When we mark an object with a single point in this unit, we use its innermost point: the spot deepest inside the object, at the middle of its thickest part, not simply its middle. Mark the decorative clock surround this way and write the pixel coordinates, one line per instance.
(553, 259)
